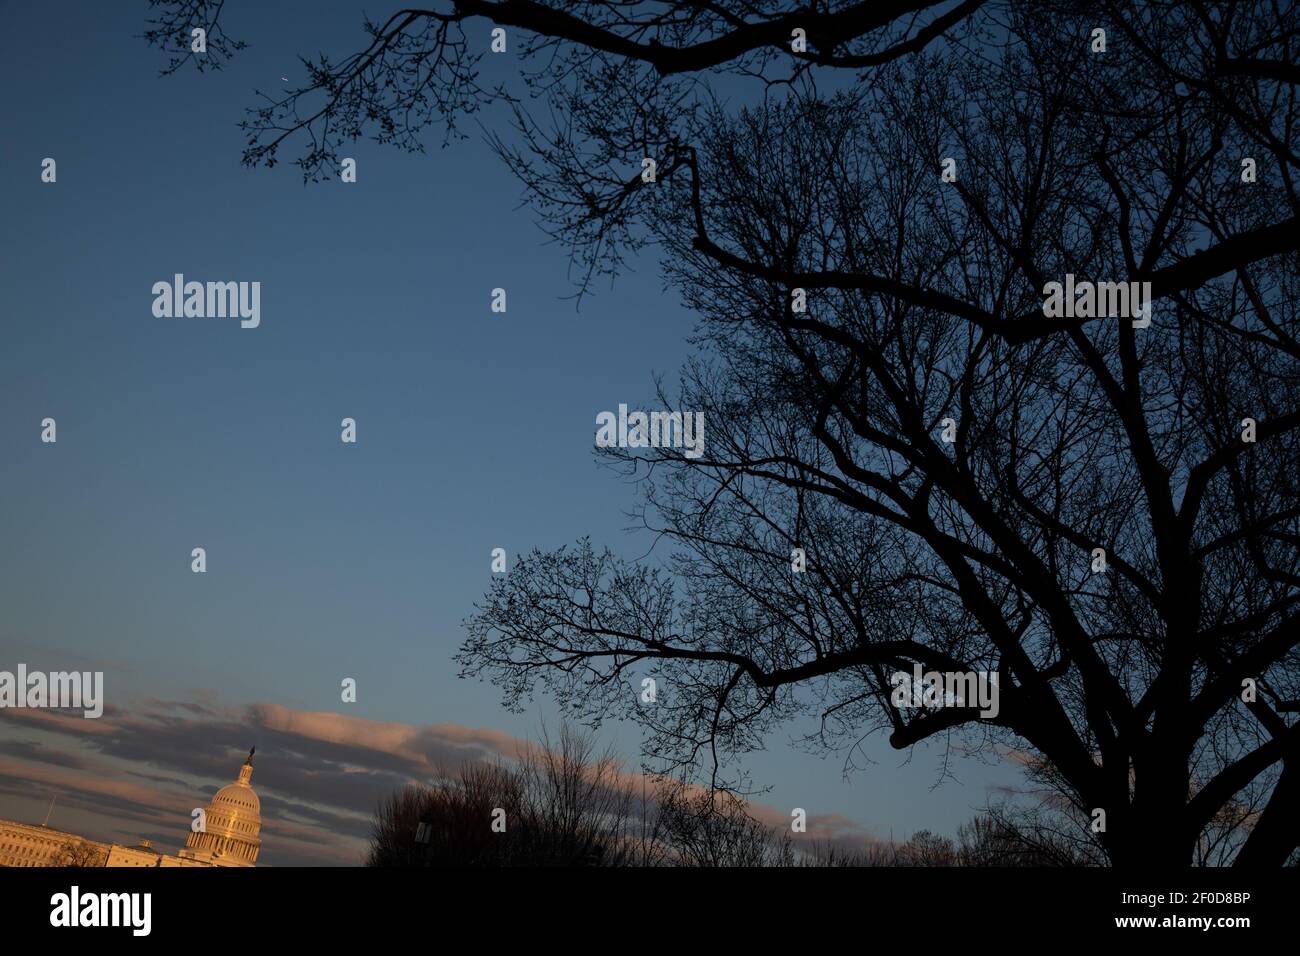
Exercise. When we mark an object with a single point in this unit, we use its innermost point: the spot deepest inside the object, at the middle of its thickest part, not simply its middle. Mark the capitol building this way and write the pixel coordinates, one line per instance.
(226, 833)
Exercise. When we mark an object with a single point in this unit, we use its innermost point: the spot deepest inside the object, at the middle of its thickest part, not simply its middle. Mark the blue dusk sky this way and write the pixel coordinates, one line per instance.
(325, 560)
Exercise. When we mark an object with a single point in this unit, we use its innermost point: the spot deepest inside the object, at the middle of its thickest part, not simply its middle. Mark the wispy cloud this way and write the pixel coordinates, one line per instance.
(137, 773)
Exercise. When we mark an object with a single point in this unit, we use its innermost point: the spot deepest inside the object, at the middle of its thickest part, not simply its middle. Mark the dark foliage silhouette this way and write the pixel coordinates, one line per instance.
(566, 806)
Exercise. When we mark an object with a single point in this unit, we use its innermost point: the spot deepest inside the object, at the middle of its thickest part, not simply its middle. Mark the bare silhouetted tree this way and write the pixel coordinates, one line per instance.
(1074, 441)
(80, 853)
(558, 804)
(715, 828)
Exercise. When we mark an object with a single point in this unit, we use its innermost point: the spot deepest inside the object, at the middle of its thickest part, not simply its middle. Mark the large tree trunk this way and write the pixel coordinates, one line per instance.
(1276, 833)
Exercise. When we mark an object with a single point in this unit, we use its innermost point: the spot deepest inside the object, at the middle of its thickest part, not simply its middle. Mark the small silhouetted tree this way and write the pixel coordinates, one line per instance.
(79, 853)
(705, 828)
(558, 804)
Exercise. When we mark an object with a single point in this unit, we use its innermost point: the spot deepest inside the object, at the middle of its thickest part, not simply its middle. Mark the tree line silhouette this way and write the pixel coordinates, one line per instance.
(564, 804)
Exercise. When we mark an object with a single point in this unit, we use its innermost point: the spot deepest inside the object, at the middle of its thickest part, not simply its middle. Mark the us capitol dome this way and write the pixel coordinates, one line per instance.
(232, 824)
(226, 833)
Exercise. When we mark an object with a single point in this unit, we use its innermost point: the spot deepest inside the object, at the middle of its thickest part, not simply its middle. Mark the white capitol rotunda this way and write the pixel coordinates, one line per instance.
(232, 823)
